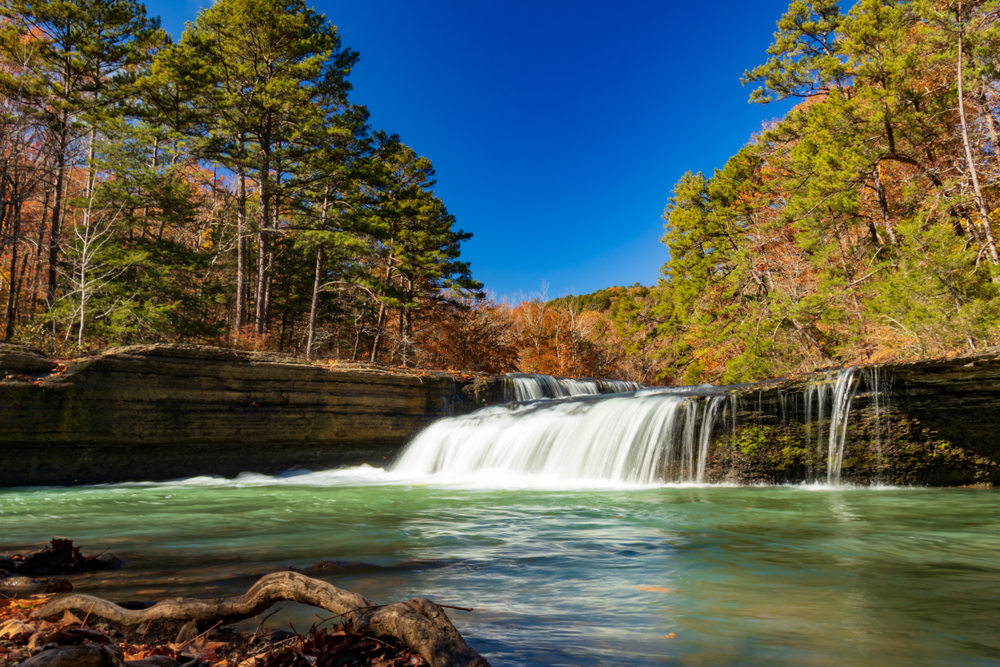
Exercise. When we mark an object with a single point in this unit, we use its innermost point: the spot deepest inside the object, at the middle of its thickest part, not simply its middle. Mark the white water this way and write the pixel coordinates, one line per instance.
(534, 387)
(648, 436)
(843, 394)
(647, 439)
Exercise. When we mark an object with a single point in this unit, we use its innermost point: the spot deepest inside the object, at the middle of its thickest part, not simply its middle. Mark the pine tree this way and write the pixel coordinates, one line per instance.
(84, 54)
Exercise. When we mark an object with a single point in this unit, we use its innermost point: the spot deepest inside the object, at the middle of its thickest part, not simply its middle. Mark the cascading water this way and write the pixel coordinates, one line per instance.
(843, 394)
(646, 437)
(816, 396)
(617, 386)
(826, 436)
(879, 382)
(535, 386)
(714, 403)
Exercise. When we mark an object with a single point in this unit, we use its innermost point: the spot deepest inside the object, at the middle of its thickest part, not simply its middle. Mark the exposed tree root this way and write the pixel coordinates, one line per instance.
(418, 624)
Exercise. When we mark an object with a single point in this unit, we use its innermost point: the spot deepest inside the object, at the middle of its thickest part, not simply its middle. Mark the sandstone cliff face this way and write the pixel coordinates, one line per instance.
(162, 412)
(925, 423)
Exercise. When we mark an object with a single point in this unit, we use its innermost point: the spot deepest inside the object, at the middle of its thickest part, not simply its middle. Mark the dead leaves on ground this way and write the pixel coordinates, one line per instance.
(21, 636)
(341, 645)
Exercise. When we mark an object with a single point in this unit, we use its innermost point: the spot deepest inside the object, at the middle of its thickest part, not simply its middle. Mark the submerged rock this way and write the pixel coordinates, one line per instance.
(19, 583)
(63, 558)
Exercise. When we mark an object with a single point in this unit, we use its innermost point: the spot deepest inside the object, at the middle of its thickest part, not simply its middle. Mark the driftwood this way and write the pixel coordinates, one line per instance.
(418, 624)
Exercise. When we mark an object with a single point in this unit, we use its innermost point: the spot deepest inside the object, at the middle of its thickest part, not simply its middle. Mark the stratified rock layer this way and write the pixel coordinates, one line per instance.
(163, 412)
(931, 423)
(169, 411)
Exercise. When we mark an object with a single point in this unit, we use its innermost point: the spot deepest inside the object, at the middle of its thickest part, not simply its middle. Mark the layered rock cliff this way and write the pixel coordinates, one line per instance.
(167, 411)
(924, 423)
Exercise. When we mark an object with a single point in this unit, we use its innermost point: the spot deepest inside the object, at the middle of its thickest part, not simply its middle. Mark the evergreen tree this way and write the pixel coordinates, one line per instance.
(83, 53)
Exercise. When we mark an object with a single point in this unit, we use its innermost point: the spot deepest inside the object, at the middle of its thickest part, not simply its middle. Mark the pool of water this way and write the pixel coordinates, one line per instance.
(653, 575)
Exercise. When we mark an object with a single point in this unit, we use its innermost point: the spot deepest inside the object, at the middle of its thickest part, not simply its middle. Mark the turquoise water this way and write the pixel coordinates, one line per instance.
(753, 575)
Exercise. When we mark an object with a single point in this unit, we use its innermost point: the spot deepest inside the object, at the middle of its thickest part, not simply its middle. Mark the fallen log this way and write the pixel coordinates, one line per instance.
(419, 624)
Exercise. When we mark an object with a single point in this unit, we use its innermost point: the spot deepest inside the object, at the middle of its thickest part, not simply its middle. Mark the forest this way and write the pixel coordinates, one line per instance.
(225, 189)
(858, 228)
(221, 189)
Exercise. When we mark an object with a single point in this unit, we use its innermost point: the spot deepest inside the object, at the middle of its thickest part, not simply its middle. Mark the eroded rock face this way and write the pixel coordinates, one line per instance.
(168, 411)
(931, 423)
(20, 360)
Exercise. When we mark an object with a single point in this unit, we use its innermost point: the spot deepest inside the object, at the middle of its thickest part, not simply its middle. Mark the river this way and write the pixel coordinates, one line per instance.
(572, 573)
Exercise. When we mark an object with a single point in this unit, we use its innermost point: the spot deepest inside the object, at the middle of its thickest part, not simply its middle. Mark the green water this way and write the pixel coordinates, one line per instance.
(756, 576)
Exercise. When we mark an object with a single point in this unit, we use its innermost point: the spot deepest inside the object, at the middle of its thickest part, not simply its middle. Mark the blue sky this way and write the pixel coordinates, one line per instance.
(557, 128)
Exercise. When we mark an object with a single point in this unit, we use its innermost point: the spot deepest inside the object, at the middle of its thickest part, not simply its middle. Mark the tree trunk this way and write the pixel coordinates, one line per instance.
(380, 323)
(379, 326)
(20, 287)
(54, 238)
(991, 245)
(260, 314)
(419, 624)
(40, 244)
(358, 325)
(314, 306)
(317, 281)
(268, 280)
(883, 204)
(408, 333)
(12, 291)
(241, 251)
(3, 205)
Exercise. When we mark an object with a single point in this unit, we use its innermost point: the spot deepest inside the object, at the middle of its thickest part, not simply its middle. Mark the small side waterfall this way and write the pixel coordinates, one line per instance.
(816, 398)
(714, 403)
(535, 386)
(843, 394)
(879, 383)
(617, 386)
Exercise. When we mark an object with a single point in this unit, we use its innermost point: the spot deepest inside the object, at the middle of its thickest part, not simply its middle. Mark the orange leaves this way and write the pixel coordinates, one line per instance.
(199, 647)
(24, 636)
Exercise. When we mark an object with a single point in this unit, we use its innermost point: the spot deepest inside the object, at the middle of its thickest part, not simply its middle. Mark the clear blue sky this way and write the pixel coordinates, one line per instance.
(557, 128)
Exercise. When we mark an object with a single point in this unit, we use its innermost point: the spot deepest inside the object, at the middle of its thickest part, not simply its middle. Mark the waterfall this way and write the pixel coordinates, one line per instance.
(654, 437)
(618, 386)
(843, 394)
(879, 381)
(816, 395)
(535, 386)
(641, 435)
(708, 420)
